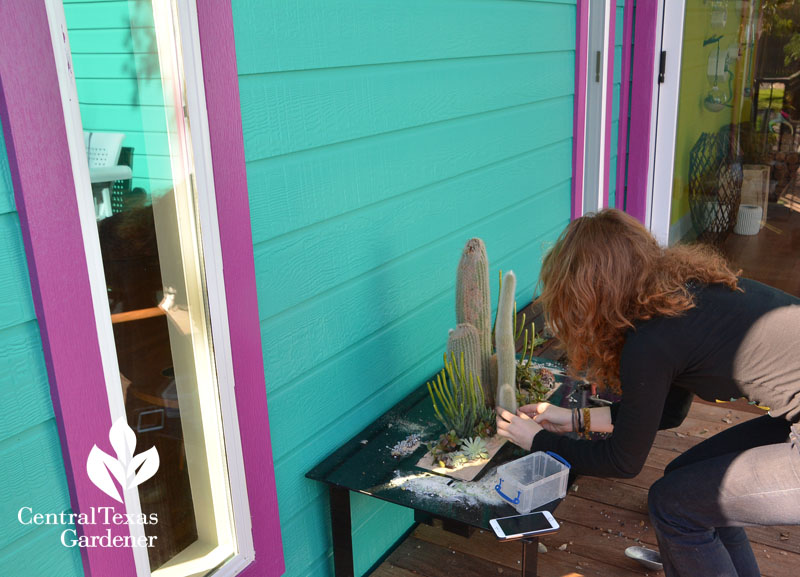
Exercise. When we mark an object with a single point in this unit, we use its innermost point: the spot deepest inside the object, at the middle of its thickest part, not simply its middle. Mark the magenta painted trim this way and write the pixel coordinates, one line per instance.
(30, 105)
(609, 99)
(59, 277)
(215, 20)
(579, 114)
(624, 103)
(641, 108)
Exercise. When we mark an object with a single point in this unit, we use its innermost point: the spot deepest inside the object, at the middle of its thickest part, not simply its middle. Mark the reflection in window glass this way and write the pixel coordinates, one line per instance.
(127, 63)
(737, 148)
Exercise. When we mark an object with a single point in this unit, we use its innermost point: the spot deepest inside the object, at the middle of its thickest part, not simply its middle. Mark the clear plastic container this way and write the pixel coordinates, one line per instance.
(533, 480)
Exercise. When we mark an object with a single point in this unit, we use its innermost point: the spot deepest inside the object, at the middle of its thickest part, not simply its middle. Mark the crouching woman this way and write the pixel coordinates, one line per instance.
(659, 326)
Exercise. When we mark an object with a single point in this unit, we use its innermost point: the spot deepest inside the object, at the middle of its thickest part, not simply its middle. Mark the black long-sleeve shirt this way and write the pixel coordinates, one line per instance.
(732, 344)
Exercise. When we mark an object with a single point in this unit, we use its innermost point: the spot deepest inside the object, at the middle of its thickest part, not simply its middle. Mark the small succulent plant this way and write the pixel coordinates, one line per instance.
(444, 447)
(535, 385)
(474, 448)
(458, 459)
(486, 427)
(450, 451)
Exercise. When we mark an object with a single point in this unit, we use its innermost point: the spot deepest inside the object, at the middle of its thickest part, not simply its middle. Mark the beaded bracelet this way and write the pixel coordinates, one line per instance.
(587, 422)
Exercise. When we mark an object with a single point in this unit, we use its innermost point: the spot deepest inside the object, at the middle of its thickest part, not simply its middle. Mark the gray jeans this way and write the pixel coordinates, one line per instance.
(748, 475)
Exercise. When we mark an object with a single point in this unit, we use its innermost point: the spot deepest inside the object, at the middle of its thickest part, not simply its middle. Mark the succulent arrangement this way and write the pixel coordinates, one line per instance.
(453, 452)
(481, 369)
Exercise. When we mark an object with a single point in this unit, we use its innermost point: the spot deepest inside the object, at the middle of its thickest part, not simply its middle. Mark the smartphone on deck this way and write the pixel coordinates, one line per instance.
(527, 525)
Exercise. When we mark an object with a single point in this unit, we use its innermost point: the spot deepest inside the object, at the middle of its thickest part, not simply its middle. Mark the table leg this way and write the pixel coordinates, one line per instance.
(457, 528)
(420, 517)
(530, 556)
(342, 532)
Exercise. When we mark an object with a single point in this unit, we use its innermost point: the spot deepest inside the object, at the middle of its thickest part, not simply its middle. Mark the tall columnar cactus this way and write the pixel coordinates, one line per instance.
(464, 341)
(504, 340)
(473, 304)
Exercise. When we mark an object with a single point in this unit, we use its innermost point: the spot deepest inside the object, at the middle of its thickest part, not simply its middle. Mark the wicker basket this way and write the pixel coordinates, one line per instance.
(715, 184)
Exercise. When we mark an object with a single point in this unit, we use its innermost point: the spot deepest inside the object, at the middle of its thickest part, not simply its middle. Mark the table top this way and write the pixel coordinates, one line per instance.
(364, 464)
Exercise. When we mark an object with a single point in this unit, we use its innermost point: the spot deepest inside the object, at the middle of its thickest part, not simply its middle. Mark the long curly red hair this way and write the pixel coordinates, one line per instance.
(607, 271)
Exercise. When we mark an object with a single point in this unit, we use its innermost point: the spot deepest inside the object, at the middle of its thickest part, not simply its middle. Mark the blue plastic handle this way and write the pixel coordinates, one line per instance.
(559, 458)
(498, 488)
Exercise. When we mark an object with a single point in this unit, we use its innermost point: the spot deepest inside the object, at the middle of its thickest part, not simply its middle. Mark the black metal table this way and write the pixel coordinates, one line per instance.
(364, 465)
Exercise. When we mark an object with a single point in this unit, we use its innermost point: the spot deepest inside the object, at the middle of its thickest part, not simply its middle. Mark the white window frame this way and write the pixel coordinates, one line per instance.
(215, 285)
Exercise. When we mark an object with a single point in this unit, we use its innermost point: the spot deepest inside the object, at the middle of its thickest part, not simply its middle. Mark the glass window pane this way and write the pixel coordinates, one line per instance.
(128, 69)
(593, 177)
(737, 149)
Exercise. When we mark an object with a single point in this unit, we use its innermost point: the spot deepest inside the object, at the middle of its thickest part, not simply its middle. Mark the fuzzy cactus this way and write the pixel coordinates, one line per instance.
(464, 341)
(506, 351)
(473, 300)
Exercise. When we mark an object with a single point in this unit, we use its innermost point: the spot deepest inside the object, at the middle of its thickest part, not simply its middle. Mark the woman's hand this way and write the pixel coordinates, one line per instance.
(551, 418)
(519, 429)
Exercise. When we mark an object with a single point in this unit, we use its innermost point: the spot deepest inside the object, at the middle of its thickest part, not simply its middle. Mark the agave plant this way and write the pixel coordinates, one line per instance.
(462, 403)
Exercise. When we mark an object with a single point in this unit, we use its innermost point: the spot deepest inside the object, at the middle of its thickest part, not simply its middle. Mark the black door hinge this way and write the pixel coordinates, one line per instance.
(662, 66)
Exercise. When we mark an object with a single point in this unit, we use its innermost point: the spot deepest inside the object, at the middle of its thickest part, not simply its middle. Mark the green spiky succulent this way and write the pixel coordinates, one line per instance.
(462, 404)
(474, 448)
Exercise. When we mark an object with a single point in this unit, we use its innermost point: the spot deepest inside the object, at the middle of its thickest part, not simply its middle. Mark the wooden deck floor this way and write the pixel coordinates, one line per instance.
(599, 519)
(771, 256)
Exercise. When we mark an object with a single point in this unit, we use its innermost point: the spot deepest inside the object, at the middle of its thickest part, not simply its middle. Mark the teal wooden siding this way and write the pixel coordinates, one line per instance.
(117, 74)
(379, 137)
(618, 31)
(31, 465)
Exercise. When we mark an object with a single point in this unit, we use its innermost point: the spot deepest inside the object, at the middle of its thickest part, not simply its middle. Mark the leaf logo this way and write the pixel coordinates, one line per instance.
(128, 469)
